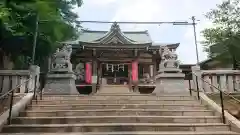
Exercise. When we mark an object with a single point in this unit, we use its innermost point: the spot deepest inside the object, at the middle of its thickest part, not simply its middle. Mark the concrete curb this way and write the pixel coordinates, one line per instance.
(234, 123)
(18, 107)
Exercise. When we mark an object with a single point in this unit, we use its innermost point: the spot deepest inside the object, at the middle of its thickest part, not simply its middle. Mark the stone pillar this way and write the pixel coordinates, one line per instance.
(23, 88)
(206, 86)
(151, 72)
(94, 76)
(197, 72)
(35, 73)
(223, 82)
(214, 83)
(237, 82)
(230, 83)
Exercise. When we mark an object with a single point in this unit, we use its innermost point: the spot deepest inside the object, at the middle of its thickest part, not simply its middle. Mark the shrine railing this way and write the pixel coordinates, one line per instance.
(222, 83)
(14, 84)
(9, 98)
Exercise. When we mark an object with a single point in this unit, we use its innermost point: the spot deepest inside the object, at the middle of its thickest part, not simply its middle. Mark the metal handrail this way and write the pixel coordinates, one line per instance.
(219, 89)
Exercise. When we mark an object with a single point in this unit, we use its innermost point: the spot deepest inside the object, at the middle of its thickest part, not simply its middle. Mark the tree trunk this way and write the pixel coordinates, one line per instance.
(5, 61)
(1, 60)
(235, 63)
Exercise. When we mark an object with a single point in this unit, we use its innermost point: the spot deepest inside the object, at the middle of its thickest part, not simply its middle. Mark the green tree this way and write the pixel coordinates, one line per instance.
(222, 41)
(57, 22)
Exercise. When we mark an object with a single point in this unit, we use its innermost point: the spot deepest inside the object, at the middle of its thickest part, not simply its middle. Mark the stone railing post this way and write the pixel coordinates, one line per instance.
(223, 82)
(34, 75)
(11, 79)
(236, 82)
(222, 79)
(196, 71)
(206, 85)
(230, 86)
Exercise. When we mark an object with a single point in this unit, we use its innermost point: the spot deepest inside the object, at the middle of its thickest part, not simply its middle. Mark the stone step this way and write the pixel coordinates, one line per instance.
(111, 127)
(86, 101)
(152, 94)
(115, 106)
(118, 112)
(133, 133)
(115, 97)
(122, 94)
(116, 119)
(114, 89)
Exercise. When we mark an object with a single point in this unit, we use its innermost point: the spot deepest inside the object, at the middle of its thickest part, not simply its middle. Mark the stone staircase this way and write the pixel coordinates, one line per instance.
(118, 114)
(114, 89)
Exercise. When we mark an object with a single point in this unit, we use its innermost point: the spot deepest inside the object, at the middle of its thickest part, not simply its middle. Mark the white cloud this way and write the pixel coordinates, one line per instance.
(137, 10)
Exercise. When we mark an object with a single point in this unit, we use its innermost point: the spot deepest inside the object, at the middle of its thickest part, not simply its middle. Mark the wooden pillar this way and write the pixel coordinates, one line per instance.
(99, 73)
(154, 67)
(88, 72)
(129, 76)
(135, 71)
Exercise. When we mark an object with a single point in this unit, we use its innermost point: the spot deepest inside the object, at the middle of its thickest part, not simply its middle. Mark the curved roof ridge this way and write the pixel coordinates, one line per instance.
(102, 31)
(115, 31)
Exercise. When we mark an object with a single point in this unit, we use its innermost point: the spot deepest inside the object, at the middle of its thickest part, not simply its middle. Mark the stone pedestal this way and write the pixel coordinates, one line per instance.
(60, 84)
(170, 83)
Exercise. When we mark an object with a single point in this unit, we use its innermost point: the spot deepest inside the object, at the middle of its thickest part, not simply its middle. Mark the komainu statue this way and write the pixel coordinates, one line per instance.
(169, 60)
(61, 61)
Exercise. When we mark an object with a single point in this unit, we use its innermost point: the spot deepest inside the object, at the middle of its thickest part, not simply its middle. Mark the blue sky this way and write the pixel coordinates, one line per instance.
(154, 10)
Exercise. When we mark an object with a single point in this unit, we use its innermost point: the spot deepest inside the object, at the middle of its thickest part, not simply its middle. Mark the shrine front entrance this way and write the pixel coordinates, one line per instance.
(114, 73)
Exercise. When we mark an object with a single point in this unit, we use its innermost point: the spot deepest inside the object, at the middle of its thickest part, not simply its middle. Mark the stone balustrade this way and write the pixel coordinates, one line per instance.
(10, 79)
(226, 80)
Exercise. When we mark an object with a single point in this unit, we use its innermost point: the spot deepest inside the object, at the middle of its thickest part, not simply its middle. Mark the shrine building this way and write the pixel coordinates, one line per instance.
(116, 57)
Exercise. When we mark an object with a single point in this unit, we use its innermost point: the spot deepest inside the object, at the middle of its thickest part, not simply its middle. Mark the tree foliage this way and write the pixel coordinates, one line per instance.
(57, 22)
(222, 41)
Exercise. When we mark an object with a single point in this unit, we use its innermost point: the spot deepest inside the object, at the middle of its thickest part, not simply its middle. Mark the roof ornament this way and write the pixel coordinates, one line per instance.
(115, 26)
(168, 55)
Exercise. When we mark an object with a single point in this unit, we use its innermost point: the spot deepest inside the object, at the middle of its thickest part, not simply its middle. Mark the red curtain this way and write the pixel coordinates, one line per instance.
(134, 71)
(88, 73)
